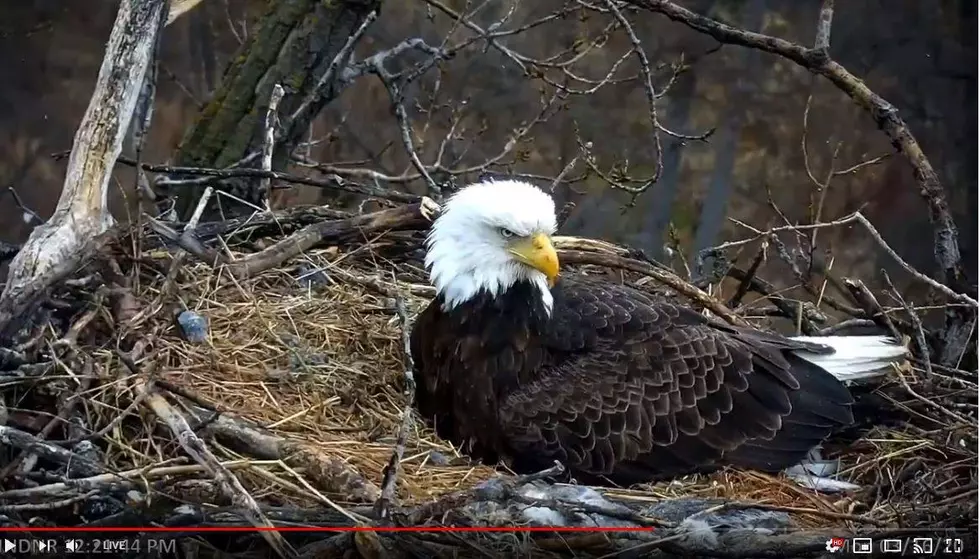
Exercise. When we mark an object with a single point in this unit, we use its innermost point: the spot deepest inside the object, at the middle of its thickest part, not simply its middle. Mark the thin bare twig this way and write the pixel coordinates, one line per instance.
(920, 336)
(268, 146)
(383, 506)
(822, 41)
(859, 218)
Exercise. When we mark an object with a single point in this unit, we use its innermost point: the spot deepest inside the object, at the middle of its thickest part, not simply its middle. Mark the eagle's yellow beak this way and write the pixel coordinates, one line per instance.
(538, 252)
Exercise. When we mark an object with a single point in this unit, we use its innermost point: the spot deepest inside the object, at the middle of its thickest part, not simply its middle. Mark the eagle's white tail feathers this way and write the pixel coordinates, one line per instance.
(855, 357)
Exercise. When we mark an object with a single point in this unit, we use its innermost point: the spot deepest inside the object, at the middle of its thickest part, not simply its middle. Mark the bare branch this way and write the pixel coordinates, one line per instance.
(265, 186)
(383, 505)
(57, 247)
(946, 236)
(822, 42)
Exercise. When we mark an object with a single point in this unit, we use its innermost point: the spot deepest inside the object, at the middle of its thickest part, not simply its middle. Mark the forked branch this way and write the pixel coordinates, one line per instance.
(58, 246)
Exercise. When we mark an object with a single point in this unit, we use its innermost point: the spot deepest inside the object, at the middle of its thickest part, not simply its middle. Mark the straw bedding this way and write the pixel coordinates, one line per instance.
(311, 354)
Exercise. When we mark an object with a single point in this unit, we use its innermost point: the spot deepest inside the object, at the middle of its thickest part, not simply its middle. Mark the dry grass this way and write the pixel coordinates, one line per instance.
(320, 364)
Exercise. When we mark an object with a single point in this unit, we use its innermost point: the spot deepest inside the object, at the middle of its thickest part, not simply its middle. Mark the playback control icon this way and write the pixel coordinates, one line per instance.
(29, 546)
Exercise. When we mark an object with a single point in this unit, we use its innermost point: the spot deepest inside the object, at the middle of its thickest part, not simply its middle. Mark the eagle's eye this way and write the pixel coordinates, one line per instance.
(506, 233)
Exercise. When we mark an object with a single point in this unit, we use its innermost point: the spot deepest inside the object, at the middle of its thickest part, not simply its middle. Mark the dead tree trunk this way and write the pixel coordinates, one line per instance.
(303, 45)
(57, 247)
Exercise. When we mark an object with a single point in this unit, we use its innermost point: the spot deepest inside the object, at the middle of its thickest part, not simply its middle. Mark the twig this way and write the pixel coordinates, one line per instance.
(26, 461)
(846, 324)
(402, 217)
(229, 483)
(800, 510)
(50, 505)
(186, 242)
(859, 218)
(822, 42)
(960, 419)
(332, 475)
(946, 246)
(268, 146)
(872, 308)
(390, 477)
(269, 223)
(745, 283)
(333, 182)
(30, 443)
(385, 288)
(313, 100)
(116, 421)
(30, 216)
(114, 481)
(920, 336)
(788, 307)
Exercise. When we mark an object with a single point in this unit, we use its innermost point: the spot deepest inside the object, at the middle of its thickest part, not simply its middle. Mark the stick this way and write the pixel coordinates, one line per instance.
(859, 217)
(334, 182)
(331, 475)
(195, 447)
(863, 297)
(409, 216)
(390, 477)
(270, 223)
(268, 146)
(50, 505)
(110, 482)
(30, 443)
(920, 336)
(186, 235)
(745, 283)
(25, 462)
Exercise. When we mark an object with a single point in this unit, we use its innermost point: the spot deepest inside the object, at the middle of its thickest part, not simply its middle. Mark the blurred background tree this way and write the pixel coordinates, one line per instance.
(919, 56)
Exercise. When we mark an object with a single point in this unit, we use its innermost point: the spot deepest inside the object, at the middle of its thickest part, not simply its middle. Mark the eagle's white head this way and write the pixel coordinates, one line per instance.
(489, 236)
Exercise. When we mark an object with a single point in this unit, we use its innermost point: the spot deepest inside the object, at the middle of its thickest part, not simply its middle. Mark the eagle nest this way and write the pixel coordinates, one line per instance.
(160, 389)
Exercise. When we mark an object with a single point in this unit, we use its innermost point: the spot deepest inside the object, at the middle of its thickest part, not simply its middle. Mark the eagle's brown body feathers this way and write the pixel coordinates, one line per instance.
(617, 384)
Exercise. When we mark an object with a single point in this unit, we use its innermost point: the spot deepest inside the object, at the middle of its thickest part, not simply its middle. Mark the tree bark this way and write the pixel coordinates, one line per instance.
(295, 44)
(57, 247)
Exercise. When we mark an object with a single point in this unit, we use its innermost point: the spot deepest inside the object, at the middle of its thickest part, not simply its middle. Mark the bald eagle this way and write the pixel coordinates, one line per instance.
(514, 363)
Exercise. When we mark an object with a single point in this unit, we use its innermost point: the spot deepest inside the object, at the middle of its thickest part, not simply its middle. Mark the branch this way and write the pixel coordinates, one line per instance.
(195, 447)
(403, 217)
(268, 146)
(383, 505)
(73, 461)
(885, 115)
(859, 218)
(822, 42)
(57, 248)
(333, 181)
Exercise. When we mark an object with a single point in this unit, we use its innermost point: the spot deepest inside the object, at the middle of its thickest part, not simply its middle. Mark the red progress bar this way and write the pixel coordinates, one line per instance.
(323, 529)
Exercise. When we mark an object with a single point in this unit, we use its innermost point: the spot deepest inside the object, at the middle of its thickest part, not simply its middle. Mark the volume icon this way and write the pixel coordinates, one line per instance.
(71, 546)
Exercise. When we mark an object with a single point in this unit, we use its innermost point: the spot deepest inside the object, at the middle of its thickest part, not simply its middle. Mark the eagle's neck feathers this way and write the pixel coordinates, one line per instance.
(466, 254)
(480, 284)
(521, 306)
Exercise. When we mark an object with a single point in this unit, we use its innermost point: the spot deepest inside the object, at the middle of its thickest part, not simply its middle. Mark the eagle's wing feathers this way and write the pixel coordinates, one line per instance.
(645, 386)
